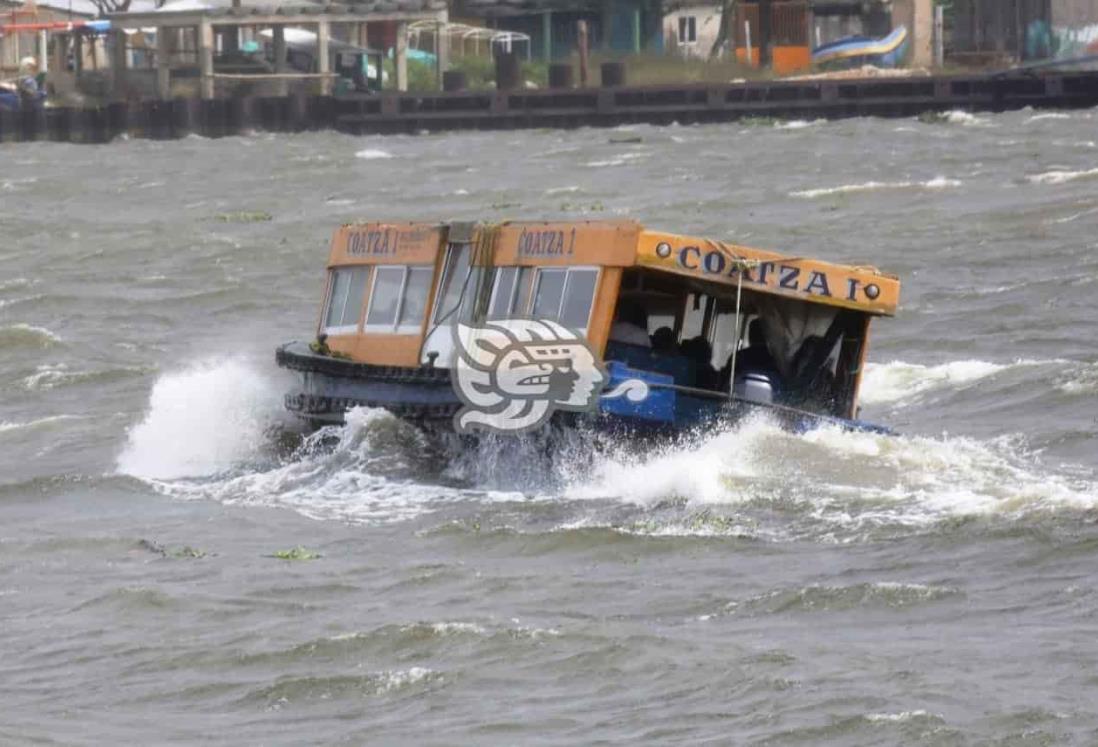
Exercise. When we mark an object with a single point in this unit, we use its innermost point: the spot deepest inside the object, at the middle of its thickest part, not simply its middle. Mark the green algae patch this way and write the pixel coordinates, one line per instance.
(296, 553)
(245, 216)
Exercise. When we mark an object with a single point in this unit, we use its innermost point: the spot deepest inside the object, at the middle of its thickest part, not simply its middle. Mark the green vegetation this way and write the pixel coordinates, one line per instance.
(245, 216)
(643, 69)
(296, 553)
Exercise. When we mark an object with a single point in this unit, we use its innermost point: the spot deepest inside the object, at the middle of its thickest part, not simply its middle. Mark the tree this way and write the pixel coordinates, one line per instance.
(728, 17)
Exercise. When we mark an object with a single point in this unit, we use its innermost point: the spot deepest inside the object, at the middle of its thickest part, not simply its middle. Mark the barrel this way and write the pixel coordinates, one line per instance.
(613, 74)
(561, 75)
(508, 71)
(454, 80)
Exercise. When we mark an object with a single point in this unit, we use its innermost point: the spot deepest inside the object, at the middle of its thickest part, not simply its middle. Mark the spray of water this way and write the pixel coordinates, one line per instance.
(205, 436)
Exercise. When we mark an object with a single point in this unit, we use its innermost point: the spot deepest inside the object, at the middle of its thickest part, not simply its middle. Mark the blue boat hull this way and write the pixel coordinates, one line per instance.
(855, 51)
(331, 386)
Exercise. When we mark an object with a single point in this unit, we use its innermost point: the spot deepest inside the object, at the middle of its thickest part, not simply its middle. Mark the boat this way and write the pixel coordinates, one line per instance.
(855, 51)
(507, 327)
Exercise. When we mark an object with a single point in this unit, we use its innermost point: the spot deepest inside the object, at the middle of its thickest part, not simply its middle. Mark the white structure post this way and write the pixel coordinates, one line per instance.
(323, 62)
(205, 58)
(401, 54)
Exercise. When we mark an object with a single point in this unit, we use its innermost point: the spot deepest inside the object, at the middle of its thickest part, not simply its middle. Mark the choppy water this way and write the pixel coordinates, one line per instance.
(746, 587)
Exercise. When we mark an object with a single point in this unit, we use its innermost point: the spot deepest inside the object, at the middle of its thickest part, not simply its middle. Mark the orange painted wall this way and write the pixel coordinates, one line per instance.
(791, 59)
(786, 59)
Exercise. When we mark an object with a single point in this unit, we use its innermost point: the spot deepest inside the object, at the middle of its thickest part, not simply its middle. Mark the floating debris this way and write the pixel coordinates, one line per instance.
(296, 553)
(245, 216)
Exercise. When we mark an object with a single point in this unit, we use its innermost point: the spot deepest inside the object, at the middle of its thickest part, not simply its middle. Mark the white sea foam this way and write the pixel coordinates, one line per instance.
(400, 678)
(1080, 381)
(886, 383)
(9, 426)
(967, 119)
(27, 335)
(798, 124)
(1061, 176)
(202, 420)
(938, 182)
(843, 479)
(900, 717)
(209, 420)
(372, 154)
(1048, 115)
(619, 160)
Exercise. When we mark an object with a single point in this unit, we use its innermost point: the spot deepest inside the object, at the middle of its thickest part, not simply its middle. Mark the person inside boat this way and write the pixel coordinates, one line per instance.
(699, 350)
(756, 357)
(812, 372)
(28, 81)
(663, 341)
(630, 325)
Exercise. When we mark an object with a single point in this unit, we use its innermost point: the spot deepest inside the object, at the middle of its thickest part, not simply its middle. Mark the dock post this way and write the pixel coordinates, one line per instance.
(205, 58)
(939, 36)
(163, 63)
(118, 63)
(581, 42)
(323, 63)
(278, 42)
(547, 35)
(442, 52)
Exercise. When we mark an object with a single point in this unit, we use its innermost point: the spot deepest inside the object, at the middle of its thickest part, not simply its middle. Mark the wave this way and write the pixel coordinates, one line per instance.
(798, 124)
(8, 426)
(829, 482)
(821, 598)
(955, 116)
(1048, 115)
(938, 182)
(373, 154)
(620, 160)
(50, 376)
(1083, 380)
(1062, 176)
(207, 435)
(292, 690)
(203, 420)
(887, 383)
(27, 336)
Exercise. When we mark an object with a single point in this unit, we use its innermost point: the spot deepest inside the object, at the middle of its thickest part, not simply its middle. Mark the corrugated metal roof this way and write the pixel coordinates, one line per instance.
(295, 7)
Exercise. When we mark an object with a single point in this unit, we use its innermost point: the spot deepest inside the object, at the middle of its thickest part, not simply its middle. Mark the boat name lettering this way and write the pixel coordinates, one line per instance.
(385, 241)
(549, 242)
(774, 274)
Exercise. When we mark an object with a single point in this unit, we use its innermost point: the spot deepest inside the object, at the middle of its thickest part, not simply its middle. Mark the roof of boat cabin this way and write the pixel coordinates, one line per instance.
(624, 243)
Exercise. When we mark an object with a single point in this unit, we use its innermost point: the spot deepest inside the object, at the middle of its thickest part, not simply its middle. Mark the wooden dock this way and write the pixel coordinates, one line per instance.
(559, 108)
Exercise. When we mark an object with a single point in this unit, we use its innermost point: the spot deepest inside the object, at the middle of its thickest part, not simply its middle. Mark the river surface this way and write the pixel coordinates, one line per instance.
(742, 587)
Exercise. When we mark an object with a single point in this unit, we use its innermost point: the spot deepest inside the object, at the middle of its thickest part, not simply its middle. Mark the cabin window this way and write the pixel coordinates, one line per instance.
(566, 295)
(510, 292)
(348, 287)
(417, 288)
(399, 299)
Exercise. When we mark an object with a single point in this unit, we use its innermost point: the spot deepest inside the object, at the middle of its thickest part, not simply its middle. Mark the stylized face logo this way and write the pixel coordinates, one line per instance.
(513, 374)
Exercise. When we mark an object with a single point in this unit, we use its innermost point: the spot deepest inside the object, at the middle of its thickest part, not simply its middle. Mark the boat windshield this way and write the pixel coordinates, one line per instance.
(458, 286)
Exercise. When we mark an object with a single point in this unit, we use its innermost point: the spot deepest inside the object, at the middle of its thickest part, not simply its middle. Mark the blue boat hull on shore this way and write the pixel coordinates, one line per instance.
(855, 51)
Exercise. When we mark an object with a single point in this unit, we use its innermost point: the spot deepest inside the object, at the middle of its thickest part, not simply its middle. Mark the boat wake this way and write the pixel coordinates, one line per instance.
(214, 432)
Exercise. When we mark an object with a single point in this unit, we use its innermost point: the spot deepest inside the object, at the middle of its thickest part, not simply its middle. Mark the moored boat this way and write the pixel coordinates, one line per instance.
(854, 51)
(502, 327)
